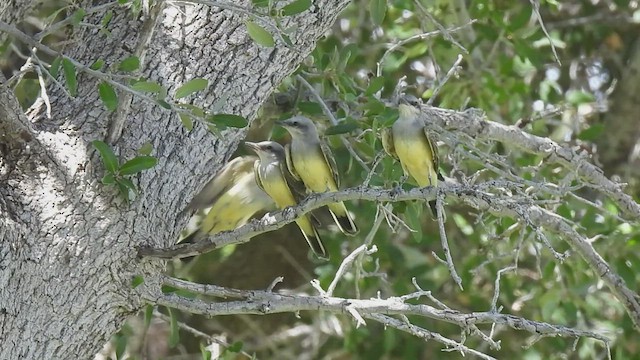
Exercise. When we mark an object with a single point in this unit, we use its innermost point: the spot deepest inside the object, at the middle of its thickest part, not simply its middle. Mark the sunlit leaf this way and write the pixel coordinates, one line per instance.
(108, 96)
(70, 76)
(129, 64)
(259, 34)
(342, 128)
(138, 164)
(108, 157)
(229, 120)
(174, 335)
(190, 87)
(296, 7)
(378, 10)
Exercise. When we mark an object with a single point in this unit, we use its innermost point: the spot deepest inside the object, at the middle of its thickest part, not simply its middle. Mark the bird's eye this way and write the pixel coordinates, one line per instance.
(295, 123)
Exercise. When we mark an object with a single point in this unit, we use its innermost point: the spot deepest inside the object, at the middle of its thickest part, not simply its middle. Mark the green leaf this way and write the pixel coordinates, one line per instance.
(148, 316)
(106, 19)
(55, 67)
(168, 289)
(129, 64)
(342, 128)
(260, 3)
(259, 34)
(97, 65)
(77, 16)
(378, 9)
(124, 189)
(191, 87)
(186, 120)
(174, 336)
(229, 120)
(121, 346)
(196, 110)
(137, 281)
(375, 85)
(579, 97)
(145, 149)
(236, 347)
(108, 157)
(591, 133)
(296, 7)
(138, 164)
(108, 96)
(149, 86)
(310, 108)
(127, 184)
(70, 76)
(108, 179)
(164, 104)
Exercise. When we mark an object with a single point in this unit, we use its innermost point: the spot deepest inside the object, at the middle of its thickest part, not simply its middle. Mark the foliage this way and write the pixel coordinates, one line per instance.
(509, 70)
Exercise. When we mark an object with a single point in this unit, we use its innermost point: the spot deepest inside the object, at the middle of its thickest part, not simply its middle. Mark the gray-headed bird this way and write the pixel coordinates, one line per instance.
(311, 160)
(273, 177)
(408, 142)
(227, 201)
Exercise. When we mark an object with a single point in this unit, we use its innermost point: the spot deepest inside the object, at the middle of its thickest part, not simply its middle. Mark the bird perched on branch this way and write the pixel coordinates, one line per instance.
(310, 160)
(227, 201)
(272, 176)
(408, 141)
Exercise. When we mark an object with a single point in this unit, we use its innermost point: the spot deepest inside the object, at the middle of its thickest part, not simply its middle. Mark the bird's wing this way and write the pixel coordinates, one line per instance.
(434, 153)
(331, 162)
(256, 173)
(289, 162)
(221, 182)
(386, 135)
(298, 190)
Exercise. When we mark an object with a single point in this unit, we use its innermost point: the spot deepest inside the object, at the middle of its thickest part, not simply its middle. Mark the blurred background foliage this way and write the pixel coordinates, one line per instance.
(583, 99)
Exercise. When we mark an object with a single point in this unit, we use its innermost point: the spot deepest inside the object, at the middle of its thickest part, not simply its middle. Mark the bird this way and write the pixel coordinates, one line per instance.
(408, 141)
(272, 176)
(229, 200)
(310, 160)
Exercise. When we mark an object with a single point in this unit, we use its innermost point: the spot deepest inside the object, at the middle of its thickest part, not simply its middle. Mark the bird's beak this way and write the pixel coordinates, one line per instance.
(252, 146)
(281, 123)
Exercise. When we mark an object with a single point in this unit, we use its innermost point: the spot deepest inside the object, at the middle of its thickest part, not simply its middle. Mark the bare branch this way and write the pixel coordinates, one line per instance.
(262, 302)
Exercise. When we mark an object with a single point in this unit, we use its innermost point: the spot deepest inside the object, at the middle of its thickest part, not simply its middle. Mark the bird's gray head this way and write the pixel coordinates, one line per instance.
(300, 127)
(267, 150)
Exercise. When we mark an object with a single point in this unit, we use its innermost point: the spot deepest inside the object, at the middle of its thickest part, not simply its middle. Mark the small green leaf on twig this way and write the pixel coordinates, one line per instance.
(137, 164)
(259, 34)
(129, 64)
(191, 87)
(108, 157)
(70, 76)
(108, 96)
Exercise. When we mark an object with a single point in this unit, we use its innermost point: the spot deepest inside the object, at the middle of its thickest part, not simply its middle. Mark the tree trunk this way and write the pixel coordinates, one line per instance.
(68, 250)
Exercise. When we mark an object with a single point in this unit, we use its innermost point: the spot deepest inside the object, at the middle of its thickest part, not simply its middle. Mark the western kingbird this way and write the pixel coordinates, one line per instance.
(310, 159)
(227, 201)
(407, 140)
(272, 176)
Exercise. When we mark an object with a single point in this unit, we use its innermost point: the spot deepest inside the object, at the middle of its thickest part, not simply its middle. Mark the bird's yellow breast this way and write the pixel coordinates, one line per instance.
(314, 172)
(416, 157)
(279, 191)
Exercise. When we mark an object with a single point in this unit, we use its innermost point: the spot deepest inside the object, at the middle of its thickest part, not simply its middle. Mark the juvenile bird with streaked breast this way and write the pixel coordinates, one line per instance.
(272, 176)
(408, 141)
(310, 159)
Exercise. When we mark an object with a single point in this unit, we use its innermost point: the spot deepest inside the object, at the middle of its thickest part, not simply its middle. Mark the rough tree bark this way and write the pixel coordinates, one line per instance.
(68, 250)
